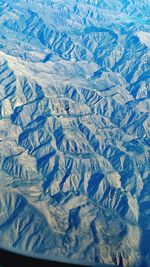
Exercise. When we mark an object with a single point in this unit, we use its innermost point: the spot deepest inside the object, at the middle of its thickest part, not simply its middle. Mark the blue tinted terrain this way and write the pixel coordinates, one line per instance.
(74, 129)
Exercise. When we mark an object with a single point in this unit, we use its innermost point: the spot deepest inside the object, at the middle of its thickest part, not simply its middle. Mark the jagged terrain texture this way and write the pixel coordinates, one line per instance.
(74, 129)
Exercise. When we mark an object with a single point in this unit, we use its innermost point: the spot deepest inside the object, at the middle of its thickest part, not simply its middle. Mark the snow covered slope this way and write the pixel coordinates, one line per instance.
(74, 129)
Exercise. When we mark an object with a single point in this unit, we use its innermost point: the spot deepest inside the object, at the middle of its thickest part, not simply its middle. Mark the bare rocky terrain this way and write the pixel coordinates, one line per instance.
(74, 129)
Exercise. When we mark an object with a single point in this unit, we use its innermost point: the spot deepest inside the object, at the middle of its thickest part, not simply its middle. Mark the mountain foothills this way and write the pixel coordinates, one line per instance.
(74, 129)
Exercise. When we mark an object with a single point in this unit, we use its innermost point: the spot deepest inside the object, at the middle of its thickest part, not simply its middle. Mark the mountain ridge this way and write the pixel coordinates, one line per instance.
(74, 128)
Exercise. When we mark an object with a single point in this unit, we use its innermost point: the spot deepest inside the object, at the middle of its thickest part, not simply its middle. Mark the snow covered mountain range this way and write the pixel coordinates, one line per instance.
(75, 128)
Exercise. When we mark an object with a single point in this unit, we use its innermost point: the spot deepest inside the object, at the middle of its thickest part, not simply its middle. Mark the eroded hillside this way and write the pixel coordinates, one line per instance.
(74, 129)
